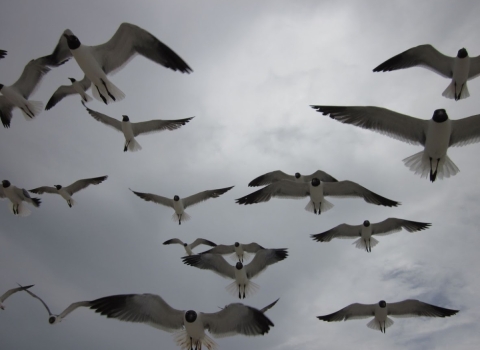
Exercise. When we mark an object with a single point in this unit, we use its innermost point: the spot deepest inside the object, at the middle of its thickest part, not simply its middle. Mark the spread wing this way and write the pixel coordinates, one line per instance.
(268, 178)
(37, 297)
(269, 306)
(66, 90)
(44, 189)
(252, 247)
(203, 196)
(340, 231)
(81, 184)
(150, 197)
(12, 291)
(465, 131)
(220, 249)
(74, 306)
(236, 318)
(384, 121)
(158, 125)
(6, 111)
(350, 312)
(144, 308)
(31, 76)
(425, 56)
(60, 54)
(282, 189)
(199, 241)
(416, 308)
(392, 225)
(352, 189)
(130, 40)
(173, 241)
(213, 262)
(263, 259)
(105, 119)
(474, 67)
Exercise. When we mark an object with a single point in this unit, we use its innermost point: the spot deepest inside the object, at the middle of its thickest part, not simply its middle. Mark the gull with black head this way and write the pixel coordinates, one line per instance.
(189, 247)
(77, 87)
(238, 250)
(17, 196)
(278, 175)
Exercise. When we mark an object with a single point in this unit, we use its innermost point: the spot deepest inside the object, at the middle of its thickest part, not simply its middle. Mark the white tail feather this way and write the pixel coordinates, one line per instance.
(451, 93)
(250, 289)
(234, 256)
(324, 206)
(22, 210)
(134, 146)
(112, 90)
(184, 217)
(360, 243)
(420, 164)
(35, 107)
(72, 202)
(374, 324)
(183, 340)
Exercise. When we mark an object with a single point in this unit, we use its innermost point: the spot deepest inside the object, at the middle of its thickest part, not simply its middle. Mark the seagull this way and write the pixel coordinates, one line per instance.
(14, 290)
(459, 69)
(381, 311)
(239, 251)
(367, 230)
(180, 204)
(67, 191)
(17, 196)
(52, 319)
(3, 53)
(16, 95)
(190, 325)
(189, 247)
(240, 273)
(316, 190)
(130, 130)
(99, 61)
(436, 134)
(277, 175)
(77, 87)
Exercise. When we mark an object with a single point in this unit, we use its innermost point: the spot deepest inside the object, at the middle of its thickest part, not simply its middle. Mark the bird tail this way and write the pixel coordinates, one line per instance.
(324, 206)
(71, 202)
(420, 164)
(184, 341)
(250, 289)
(33, 108)
(22, 210)
(234, 256)
(374, 324)
(450, 91)
(360, 243)
(183, 217)
(107, 92)
(133, 146)
(35, 201)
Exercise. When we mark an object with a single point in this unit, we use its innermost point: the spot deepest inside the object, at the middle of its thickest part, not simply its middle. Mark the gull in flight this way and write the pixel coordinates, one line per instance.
(435, 135)
(12, 291)
(77, 87)
(189, 325)
(189, 247)
(180, 204)
(460, 69)
(67, 191)
(239, 251)
(101, 60)
(367, 230)
(316, 190)
(17, 196)
(278, 175)
(130, 130)
(240, 273)
(381, 311)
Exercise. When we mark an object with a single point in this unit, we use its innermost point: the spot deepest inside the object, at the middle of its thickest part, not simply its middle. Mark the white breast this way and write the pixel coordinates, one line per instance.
(461, 68)
(241, 276)
(127, 130)
(88, 64)
(195, 329)
(65, 195)
(366, 232)
(13, 96)
(438, 138)
(178, 206)
(316, 193)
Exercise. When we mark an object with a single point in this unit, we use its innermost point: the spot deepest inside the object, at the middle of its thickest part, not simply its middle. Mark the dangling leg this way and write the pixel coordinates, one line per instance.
(108, 92)
(239, 292)
(102, 97)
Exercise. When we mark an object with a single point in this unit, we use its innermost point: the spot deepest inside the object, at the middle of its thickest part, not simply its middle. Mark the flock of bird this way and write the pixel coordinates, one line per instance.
(97, 62)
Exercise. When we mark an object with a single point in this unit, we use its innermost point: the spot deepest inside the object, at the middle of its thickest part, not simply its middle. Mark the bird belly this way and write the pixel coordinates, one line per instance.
(64, 195)
(316, 194)
(438, 139)
(14, 97)
(188, 250)
(239, 252)
(461, 68)
(89, 64)
(178, 206)
(381, 314)
(127, 130)
(195, 329)
(366, 232)
(241, 276)
(10, 194)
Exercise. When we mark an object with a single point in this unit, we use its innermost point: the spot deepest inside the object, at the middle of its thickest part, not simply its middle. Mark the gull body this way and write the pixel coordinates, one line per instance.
(188, 247)
(17, 196)
(77, 87)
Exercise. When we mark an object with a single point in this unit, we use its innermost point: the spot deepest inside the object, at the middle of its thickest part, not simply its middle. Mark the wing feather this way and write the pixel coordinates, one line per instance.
(352, 189)
(213, 262)
(465, 131)
(352, 311)
(282, 189)
(150, 197)
(83, 183)
(44, 189)
(264, 258)
(203, 196)
(416, 308)
(340, 231)
(158, 125)
(392, 225)
(105, 119)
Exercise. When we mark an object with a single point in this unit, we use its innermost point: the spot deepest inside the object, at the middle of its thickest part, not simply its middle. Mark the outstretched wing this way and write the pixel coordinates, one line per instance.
(150, 197)
(392, 225)
(340, 231)
(213, 262)
(12, 291)
(321, 175)
(158, 125)
(31, 76)
(268, 178)
(6, 111)
(416, 308)
(352, 189)
(465, 131)
(43, 189)
(263, 259)
(350, 312)
(199, 241)
(203, 196)
(282, 189)
(105, 119)
(173, 241)
(81, 184)
(66, 90)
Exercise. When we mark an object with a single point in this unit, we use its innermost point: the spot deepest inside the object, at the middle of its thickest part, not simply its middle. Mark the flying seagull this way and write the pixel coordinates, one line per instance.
(316, 190)
(435, 135)
(12, 291)
(278, 175)
(17, 196)
(240, 273)
(189, 247)
(239, 251)
(67, 191)
(16, 95)
(381, 311)
(52, 319)
(130, 130)
(3, 53)
(77, 87)
(99, 61)
(367, 230)
(180, 204)
(460, 69)
(189, 326)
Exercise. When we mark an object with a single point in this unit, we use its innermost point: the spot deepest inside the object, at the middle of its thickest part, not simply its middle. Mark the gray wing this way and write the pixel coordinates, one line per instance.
(352, 189)
(384, 121)
(269, 306)
(129, 40)
(12, 291)
(252, 247)
(350, 312)
(6, 111)
(144, 308)
(474, 67)
(321, 175)
(66, 90)
(44, 189)
(25, 196)
(465, 131)
(220, 249)
(203, 196)
(3, 53)
(340, 231)
(74, 306)
(268, 178)
(282, 189)
(424, 56)
(416, 308)
(158, 125)
(83, 183)
(392, 225)
(31, 76)
(37, 297)
(105, 119)
(173, 241)
(150, 197)
(199, 241)
(236, 318)
(213, 262)
(263, 259)
(60, 54)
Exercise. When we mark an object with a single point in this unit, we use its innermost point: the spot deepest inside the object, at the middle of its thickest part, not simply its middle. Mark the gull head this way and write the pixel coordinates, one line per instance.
(72, 80)
(315, 182)
(382, 304)
(176, 198)
(440, 115)
(190, 316)
(239, 266)
(5, 183)
(366, 223)
(54, 319)
(185, 244)
(125, 118)
(237, 244)
(297, 175)
(462, 53)
(58, 187)
(72, 40)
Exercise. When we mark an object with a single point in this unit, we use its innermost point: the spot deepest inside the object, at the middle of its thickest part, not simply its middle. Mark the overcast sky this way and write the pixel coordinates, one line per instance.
(258, 65)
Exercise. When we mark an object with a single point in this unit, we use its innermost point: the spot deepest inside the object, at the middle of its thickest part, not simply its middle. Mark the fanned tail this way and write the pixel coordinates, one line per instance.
(360, 244)
(183, 340)
(324, 206)
(234, 256)
(420, 164)
(374, 324)
(458, 94)
(71, 202)
(250, 289)
(183, 217)
(132, 146)
(33, 108)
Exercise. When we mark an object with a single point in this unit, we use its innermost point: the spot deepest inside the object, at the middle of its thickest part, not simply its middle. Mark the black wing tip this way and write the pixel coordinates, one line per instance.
(25, 287)
(191, 260)
(210, 243)
(444, 312)
(281, 254)
(36, 201)
(262, 322)
(317, 237)
(100, 179)
(169, 241)
(257, 181)
(109, 305)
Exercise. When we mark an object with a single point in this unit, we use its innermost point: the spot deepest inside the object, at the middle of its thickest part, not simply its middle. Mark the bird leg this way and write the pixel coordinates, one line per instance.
(180, 219)
(108, 92)
(103, 97)
(126, 146)
(239, 292)
(244, 286)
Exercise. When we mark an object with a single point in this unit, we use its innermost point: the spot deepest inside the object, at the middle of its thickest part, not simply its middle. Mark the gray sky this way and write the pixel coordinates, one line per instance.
(257, 68)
